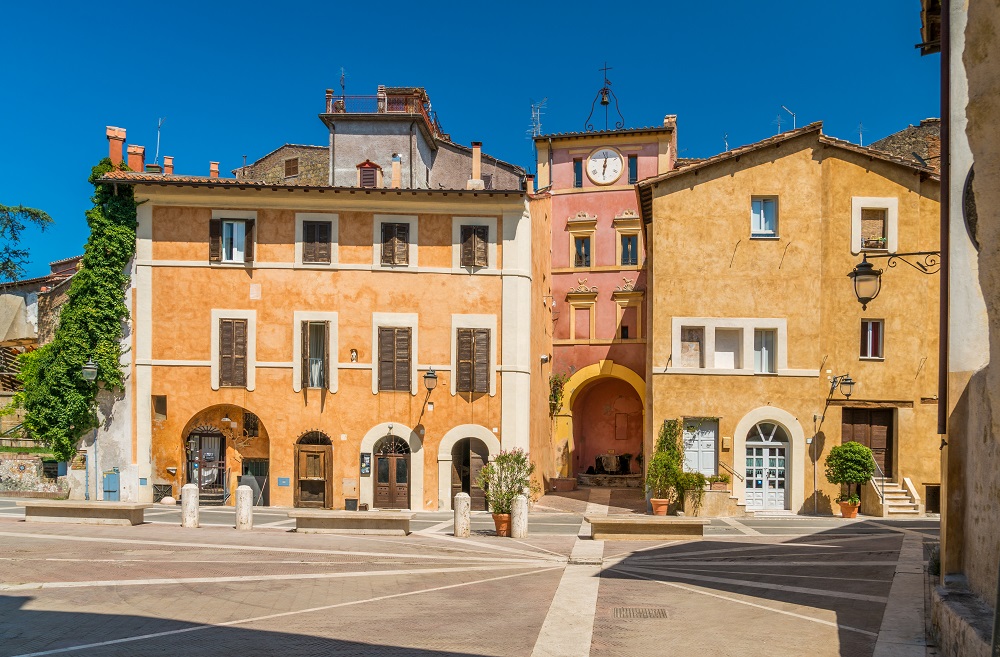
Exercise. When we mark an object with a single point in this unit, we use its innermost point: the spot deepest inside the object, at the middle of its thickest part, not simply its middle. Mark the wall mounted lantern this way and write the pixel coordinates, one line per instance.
(845, 383)
(89, 370)
(430, 379)
(868, 280)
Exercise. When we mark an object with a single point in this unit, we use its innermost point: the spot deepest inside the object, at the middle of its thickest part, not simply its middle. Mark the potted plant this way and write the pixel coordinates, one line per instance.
(847, 464)
(664, 467)
(503, 479)
(719, 482)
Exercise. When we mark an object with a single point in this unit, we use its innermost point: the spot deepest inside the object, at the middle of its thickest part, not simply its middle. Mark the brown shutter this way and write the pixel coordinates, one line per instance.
(326, 354)
(309, 241)
(386, 358)
(322, 241)
(304, 329)
(468, 246)
(215, 240)
(388, 240)
(240, 352)
(463, 360)
(225, 352)
(403, 359)
(402, 244)
(481, 363)
(250, 230)
(482, 234)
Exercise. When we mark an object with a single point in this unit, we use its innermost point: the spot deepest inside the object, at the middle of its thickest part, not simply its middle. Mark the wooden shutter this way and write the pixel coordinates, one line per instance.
(215, 240)
(249, 227)
(386, 359)
(233, 352)
(481, 363)
(323, 240)
(226, 352)
(240, 352)
(482, 234)
(369, 176)
(468, 246)
(388, 248)
(309, 241)
(304, 361)
(463, 360)
(402, 359)
(326, 354)
(402, 246)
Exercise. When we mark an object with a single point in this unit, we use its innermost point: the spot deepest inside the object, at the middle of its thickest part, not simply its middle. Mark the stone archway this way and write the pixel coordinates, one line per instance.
(795, 458)
(416, 474)
(564, 435)
(446, 455)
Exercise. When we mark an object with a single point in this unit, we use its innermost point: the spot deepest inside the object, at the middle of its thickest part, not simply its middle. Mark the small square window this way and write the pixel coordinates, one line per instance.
(630, 250)
(581, 256)
(871, 338)
(291, 167)
(873, 229)
(764, 217)
(578, 172)
(692, 346)
(633, 169)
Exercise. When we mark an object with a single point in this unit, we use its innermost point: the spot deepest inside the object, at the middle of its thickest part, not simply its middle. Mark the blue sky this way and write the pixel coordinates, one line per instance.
(243, 78)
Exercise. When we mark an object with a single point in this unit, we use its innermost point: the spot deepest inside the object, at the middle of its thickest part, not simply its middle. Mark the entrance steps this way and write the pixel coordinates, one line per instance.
(899, 501)
(206, 498)
(610, 480)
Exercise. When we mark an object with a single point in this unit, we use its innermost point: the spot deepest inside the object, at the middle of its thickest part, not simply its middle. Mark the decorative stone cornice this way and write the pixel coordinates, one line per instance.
(582, 291)
(582, 220)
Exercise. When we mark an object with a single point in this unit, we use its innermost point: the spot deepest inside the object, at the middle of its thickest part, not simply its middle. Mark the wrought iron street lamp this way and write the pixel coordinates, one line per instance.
(845, 383)
(430, 379)
(868, 280)
(89, 370)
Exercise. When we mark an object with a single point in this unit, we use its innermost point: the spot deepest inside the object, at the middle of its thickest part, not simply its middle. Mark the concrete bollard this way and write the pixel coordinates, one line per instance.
(189, 505)
(244, 508)
(519, 517)
(463, 522)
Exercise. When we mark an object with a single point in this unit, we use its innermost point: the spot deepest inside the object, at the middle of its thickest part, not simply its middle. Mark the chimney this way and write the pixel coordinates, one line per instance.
(670, 121)
(213, 169)
(529, 183)
(329, 100)
(116, 140)
(136, 158)
(168, 165)
(476, 181)
(397, 176)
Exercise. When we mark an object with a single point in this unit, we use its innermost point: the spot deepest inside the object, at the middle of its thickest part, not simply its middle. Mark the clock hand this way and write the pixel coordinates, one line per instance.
(605, 165)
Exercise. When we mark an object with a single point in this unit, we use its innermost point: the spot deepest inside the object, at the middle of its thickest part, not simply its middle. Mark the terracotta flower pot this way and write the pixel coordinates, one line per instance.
(502, 523)
(849, 510)
(659, 506)
(720, 485)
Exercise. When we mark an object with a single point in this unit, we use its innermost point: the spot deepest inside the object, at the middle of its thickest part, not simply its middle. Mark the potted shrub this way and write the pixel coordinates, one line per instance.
(503, 479)
(664, 467)
(847, 464)
(719, 482)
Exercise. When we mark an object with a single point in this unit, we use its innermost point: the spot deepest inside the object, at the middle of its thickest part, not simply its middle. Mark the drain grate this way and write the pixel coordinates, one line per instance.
(640, 612)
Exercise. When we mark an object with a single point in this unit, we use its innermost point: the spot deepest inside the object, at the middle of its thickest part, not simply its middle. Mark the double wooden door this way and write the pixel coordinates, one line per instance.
(313, 476)
(872, 427)
(392, 481)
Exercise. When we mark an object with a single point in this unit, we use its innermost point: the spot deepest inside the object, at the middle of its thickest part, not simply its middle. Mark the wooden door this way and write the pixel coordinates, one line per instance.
(873, 429)
(392, 481)
(478, 457)
(313, 480)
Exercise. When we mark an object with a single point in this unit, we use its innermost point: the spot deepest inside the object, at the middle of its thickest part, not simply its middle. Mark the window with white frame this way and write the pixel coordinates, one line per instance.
(874, 224)
(874, 236)
(764, 216)
(871, 338)
(763, 351)
(727, 349)
(233, 241)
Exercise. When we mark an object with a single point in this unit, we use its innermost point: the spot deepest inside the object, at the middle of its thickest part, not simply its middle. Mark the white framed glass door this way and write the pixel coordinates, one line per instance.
(766, 471)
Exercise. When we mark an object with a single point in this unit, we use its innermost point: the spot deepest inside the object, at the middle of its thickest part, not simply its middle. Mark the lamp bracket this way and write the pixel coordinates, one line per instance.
(926, 262)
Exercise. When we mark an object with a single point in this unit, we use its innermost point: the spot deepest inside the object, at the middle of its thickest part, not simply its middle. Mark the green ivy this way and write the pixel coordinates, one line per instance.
(60, 405)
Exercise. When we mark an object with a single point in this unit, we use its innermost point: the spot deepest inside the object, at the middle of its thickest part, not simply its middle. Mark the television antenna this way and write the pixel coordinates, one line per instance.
(159, 124)
(725, 140)
(861, 133)
(536, 116)
(343, 77)
(777, 122)
(792, 113)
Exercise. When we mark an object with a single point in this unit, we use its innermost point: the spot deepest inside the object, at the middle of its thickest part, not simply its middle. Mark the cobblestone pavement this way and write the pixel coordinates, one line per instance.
(774, 586)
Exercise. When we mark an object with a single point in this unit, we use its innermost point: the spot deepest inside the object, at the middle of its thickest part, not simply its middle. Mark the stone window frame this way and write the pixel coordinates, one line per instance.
(891, 205)
(585, 226)
(334, 221)
(627, 224)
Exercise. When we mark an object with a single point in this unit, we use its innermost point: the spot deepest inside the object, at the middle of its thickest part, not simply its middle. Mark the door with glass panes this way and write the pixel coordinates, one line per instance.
(766, 473)
(392, 474)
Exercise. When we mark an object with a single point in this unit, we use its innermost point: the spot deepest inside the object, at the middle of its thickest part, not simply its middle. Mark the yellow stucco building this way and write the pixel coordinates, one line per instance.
(752, 317)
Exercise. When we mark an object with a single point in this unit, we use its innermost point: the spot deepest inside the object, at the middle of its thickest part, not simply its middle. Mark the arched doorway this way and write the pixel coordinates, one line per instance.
(607, 428)
(767, 446)
(480, 440)
(314, 471)
(206, 464)
(392, 474)
(468, 457)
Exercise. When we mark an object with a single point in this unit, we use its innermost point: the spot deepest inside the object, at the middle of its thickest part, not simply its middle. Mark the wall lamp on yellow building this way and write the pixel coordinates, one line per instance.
(845, 383)
(868, 280)
(430, 380)
(89, 370)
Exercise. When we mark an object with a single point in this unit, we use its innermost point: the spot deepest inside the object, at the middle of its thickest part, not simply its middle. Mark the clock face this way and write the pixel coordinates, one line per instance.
(604, 166)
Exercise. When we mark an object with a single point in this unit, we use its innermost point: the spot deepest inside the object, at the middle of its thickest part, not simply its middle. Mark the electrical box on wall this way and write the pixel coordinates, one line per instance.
(727, 442)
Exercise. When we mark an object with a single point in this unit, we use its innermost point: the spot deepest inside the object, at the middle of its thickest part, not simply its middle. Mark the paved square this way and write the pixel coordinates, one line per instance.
(774, 586)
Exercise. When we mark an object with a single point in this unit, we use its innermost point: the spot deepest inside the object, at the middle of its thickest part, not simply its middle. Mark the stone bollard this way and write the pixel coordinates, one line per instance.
(519, 517)
(463, 523)
(189, 505)
(244, 508)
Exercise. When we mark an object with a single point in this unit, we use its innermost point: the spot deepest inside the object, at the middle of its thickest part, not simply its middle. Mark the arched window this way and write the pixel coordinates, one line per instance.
(392, 445)
(767, 432)
(315, 438)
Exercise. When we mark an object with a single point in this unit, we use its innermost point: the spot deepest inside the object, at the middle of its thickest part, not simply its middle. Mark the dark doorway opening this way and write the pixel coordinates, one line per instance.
(206, 466)
(872, 427)
(468, 457)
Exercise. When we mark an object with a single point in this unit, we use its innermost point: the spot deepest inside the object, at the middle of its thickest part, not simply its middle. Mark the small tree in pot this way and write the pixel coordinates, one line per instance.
(503, 479)
(850, 463)
(665, 466)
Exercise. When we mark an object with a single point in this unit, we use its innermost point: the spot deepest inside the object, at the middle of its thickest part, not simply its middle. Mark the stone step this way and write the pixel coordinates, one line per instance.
(908, 512)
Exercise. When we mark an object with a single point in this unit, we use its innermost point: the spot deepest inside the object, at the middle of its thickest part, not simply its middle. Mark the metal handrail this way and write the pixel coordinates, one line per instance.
(741, 477)
(879, 470)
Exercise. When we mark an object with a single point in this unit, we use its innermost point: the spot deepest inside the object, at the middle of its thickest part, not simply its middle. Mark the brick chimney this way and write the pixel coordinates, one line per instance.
(476, 182)
(213, 169)
(329, 100)
(168, 165)
(136, 158)
(529, 183)
(116, 140)
(397, 174)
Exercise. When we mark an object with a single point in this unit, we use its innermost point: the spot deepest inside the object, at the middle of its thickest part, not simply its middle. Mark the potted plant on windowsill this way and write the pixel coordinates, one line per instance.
(847, 464)
(503, 479)
(664, 467)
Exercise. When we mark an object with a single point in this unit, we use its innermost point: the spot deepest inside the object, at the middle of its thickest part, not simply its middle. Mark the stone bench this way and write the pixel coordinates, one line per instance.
(84, 513)
(365, 523)
(632, 527)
